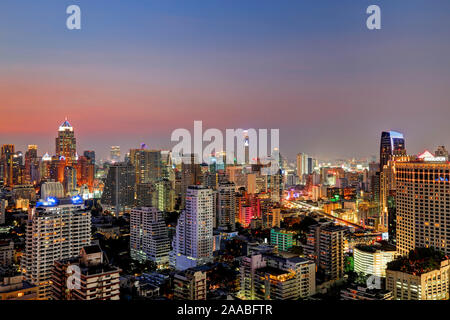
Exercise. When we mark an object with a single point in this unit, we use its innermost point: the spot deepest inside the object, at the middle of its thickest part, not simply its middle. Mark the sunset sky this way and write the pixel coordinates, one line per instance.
(140, 69)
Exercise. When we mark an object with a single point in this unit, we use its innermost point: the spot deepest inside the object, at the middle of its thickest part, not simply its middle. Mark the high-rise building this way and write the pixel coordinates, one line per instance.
(145, 195)
(373, 260)
(325, 244)
(98, 280)
(115, 154)
(302, 165)
(226, 206)
(147, 164)
(423, 204)
(421, 275)
(191, 174)
(119, 191)
(31, 159)
(3, 204)
(70, 180)
(190, 284)
(56, 229)
(149, 239)
(165, 195)
(193, 242)
(90, 155)
(6, 253)
(392, 143)
(282, 239)
(66, 144)
(7, 164)
(271, 277)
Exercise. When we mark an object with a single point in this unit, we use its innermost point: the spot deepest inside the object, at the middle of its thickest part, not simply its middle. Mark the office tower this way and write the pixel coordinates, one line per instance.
(3, 204)
(270, 277)
(147, 164)
(165, 195)
(441, 152)
(52, 190)
(56, 229)
(115, 154)
(191, 174)
(282, 239)
(145, 195)
(13, 287)
(6, 164)
(310, 165)
(149, 239)
(6, 253)
(190, 284)
(226, 206)
(70, 180)
(193, 242)
(392, 143)
(66, 144)
(98, 280)
(119, 190)
(388, 215)
(325, 244)
(30, 161)
(246, 214)
(302, 165)
(421, 275)
(90, 155)
(85, 172)
(423, 204)
(166, 164)
(373, 259)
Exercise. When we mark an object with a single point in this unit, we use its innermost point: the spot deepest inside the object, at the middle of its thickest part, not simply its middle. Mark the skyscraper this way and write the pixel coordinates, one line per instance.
(56, 229)
(119, 190)
(90, 155)
(193, 242)
(149, 238)
(115, 154)
(325, 244)
(147, 164)
(423, 205)
(6, 164)
(66, 144)
(165, 195)
(392, 143)
(30, 163)
(226, 206)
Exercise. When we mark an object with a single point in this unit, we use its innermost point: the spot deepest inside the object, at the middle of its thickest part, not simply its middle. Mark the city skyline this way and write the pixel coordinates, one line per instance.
(138, 71)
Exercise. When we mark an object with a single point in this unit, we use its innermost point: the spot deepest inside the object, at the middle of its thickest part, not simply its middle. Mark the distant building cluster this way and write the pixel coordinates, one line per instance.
(140, 225)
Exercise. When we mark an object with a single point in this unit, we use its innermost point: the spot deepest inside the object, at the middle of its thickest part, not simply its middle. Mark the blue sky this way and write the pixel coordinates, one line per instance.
(139, 69)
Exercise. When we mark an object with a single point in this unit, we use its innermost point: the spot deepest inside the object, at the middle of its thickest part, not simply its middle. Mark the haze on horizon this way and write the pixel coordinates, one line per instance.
(139, 70)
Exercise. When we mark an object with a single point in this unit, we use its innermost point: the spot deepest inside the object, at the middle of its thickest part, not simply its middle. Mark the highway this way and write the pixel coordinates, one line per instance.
(311, 208)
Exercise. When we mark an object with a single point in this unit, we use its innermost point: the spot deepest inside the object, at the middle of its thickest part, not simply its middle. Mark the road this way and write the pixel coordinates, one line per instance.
(311, 208)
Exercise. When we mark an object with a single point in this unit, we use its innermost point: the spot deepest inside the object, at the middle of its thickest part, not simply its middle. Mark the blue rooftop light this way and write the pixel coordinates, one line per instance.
(51, 202)
(77, 200)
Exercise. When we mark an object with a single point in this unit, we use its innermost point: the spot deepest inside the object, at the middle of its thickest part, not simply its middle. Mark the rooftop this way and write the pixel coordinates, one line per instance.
(418, 261)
